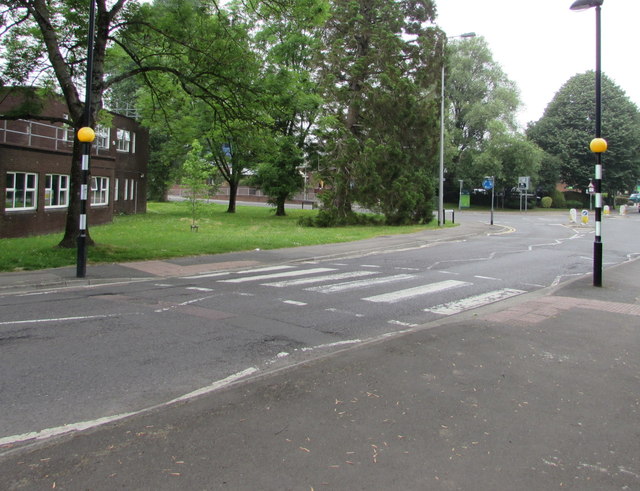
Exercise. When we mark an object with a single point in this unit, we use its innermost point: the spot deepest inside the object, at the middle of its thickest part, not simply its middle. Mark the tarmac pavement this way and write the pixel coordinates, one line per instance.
(538, 392)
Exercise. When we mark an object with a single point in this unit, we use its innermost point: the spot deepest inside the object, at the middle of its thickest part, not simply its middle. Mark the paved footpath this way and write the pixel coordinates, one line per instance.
(537, 392)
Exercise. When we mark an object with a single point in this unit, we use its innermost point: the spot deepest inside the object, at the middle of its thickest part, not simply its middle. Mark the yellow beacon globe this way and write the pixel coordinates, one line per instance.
(598, 145)
(86, 135)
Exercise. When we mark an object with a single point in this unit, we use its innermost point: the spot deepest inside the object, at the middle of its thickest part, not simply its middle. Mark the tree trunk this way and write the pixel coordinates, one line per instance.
(280, 210)
(233, 192)
(72, 227)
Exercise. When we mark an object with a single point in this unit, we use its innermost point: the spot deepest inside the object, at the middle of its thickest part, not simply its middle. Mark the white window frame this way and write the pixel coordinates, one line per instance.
(99, 191)
(132, 189)
(56, 191)
(126, 189)
(123, 140)
(116, 189)
(103, 134)
(21, 195)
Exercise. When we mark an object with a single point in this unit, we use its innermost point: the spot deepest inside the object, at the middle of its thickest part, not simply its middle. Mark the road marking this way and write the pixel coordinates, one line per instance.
(399, 295)
(299, 272)
(205, 275)
(352, 285)
(265, 269)
(294, 302)
(60, 319)
(403, 324)
(318, 279)
(199, 289)
(369, 266)
(474, 301)
(85, 425)
(486, 278)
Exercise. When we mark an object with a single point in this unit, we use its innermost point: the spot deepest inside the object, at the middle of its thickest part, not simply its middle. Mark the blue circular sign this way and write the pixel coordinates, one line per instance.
(487, 184)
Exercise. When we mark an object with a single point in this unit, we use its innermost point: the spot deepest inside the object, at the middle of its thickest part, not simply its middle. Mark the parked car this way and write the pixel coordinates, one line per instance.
(635, 198)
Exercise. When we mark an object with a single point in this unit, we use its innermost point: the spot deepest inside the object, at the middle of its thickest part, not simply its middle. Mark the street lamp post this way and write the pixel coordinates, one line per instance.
(441, 173)
(598, 144)
(86, 135)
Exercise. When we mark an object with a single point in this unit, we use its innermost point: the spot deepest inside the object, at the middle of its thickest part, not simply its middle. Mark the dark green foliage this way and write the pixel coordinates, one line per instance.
(567, 127)
(380, 129)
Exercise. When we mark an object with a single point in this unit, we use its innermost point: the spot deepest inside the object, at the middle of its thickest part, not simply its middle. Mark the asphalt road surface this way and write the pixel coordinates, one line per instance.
(75, 356)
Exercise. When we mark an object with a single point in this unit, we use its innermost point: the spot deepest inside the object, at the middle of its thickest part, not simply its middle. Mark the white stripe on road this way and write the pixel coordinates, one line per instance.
(278, 275)
(264, 270)
(399, 295)
(318, 279)
(84, 425)
(352, 285)
(474, 302)
(294, 302)
(60, 319)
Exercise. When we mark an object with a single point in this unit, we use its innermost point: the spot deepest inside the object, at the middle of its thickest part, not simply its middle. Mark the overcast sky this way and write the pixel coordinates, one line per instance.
(540, 44)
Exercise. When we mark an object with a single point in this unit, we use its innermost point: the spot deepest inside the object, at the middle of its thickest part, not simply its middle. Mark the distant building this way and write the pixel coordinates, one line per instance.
(35, 163)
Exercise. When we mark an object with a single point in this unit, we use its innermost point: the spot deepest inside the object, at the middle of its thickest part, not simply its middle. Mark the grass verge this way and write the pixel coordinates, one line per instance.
(164, 232)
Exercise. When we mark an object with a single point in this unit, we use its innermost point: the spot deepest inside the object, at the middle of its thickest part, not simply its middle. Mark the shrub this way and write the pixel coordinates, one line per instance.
(546, 202)
(578, 205)
(558, 199)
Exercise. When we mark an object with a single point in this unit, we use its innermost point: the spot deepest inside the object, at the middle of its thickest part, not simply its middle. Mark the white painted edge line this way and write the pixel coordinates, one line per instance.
(85, 425)
(474, 301)
(61, 319)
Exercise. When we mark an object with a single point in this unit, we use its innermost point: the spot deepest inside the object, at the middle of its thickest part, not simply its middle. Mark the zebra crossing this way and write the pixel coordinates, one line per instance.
(331, 279)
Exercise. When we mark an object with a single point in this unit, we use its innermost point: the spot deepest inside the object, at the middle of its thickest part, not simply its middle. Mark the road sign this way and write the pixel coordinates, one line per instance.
(523, 182)
(487, 184)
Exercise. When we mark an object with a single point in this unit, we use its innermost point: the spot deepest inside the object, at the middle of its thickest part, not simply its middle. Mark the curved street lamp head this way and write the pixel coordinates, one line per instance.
(585, 4)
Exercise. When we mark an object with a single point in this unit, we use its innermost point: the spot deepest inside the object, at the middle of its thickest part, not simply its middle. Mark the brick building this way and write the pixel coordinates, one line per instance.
(35, 163)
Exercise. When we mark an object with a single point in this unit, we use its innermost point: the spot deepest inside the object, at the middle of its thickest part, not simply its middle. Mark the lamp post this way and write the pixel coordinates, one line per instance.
(86, 135)
(441, 173)
(598, 144)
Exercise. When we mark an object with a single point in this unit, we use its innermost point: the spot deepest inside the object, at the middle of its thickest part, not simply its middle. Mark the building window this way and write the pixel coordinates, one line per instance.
(99, 190)
(102, 137)
(126, 189)
(116, 189)
(123, 140)
(21, 193)
(56, 191)
(132, 184)
(67, 131)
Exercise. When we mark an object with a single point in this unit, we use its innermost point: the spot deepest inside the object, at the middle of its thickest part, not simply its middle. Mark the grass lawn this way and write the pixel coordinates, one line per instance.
(164, 232)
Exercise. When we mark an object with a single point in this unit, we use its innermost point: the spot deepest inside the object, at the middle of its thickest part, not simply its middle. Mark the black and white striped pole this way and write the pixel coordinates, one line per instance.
(86, 135)
(598, 144)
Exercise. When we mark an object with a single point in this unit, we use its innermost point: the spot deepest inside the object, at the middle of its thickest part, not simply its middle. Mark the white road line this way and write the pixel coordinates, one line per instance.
(199, 289)
(204, 275)
(299, 272)
(369, 266)
(60, 319)
(403, 324)
(84, 425)
(265, 269)
(294, 302)
(474, 302)
(352, 285)
(399, 295)
(318, 279)
(486, 278)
